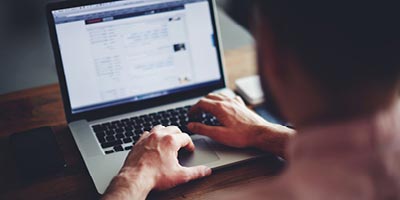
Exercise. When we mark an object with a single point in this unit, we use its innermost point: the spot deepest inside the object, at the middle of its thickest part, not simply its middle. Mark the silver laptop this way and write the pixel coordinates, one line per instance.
(126, 66)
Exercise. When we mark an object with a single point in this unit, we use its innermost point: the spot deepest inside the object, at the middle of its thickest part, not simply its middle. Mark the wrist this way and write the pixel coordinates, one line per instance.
(130, 183)
(140, 177)
(272, 138)
(259, 133)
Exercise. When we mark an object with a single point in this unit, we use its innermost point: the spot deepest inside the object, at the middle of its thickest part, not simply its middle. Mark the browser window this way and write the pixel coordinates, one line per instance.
(128, 51)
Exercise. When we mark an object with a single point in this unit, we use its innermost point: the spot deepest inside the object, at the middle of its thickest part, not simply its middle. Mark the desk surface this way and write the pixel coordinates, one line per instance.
(42, 106)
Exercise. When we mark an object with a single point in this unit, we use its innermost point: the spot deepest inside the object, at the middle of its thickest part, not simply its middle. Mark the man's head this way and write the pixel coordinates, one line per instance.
(317, 57)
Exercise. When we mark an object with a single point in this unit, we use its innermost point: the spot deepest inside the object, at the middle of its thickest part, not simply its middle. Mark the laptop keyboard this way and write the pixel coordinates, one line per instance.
(121, 135)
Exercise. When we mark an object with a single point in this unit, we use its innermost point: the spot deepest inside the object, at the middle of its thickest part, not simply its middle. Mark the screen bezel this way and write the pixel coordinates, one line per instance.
(130, 106)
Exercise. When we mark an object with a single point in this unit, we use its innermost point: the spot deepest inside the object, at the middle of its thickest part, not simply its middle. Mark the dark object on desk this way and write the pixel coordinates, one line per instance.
(37, 153)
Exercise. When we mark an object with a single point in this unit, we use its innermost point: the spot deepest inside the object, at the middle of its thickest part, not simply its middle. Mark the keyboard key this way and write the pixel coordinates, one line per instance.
(109, 132)
(166, 115)
(113, 126)
(100, 134)
(118, 148)
(109, 152)
(139, 121)
(138, 127)
(107, 125)
(117, 124)
(128, 148)
(101, 139)
(175, 123)
(110, 138)
(98, 128)
(170, 110)
(129, 134)
(184, 120)
(181, 110)
(111, 144)
(120, 136)
(125, 121)
(161, 112)
(134, 118)
(145, 118)
(146, 124)
(128, 128)
(173, 119)
(157, 117)
(127, 140)
(175, 113)
(119, 130)
(153, 121)
(138, 132)
(136, 137)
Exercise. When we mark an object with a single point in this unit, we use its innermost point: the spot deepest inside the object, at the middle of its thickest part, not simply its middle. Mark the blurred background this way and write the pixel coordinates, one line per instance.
(26, 57)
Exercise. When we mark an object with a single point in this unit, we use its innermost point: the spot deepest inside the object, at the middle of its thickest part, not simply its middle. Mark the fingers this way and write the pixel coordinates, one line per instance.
(184, 140)
(214, 104)
(174, 136)
(216, 97)
(172, 129)
(207, 105)
(236, 98)
(214, 132)
(224, 96)
(192, 173)
(158, 127)
(240, 100)
(144, 135)
(168, 130)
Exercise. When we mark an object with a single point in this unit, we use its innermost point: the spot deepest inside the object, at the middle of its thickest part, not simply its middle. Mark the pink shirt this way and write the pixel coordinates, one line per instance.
(357, 159)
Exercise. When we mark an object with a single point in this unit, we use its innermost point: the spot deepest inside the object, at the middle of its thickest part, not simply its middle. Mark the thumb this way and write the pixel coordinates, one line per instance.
(197, 172)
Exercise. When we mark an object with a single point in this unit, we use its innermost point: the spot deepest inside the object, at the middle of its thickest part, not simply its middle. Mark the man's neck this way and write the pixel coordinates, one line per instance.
(352, 106)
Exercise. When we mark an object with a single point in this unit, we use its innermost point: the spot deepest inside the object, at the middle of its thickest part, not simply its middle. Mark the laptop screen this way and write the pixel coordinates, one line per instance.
(133, 50)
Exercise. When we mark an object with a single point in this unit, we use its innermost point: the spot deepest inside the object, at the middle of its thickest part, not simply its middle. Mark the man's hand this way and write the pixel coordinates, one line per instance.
(241, 127)
(153, 164)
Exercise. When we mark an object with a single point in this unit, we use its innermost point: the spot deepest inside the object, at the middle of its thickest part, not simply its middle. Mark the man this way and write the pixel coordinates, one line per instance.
(332, 68)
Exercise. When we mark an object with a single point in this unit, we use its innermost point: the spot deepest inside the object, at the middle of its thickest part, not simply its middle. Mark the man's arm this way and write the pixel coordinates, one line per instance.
(130, 183)
(241, 127)
(153, 164)
(273, 138)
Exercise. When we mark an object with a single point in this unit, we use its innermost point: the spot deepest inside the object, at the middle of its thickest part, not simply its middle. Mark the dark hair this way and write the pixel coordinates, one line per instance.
(342, 44)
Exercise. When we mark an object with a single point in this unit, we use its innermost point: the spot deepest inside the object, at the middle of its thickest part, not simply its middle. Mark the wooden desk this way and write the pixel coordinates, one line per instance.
(42, 106)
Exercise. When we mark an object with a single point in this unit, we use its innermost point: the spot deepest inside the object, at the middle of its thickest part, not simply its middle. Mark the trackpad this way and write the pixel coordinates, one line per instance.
(202, 155)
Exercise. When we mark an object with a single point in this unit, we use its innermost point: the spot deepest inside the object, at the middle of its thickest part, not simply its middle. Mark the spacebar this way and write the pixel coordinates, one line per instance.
(111, 144)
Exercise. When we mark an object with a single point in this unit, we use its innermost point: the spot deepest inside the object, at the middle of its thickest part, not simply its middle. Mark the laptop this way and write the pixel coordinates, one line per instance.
(126, 66)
